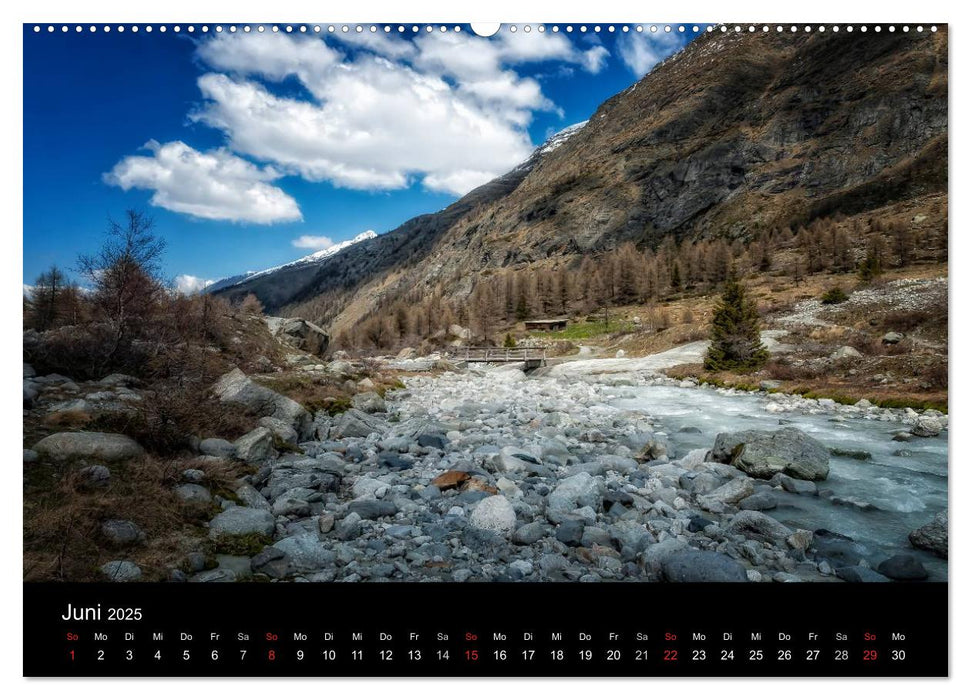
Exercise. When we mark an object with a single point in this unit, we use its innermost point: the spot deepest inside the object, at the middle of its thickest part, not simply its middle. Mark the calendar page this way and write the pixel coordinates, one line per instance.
(613, 349)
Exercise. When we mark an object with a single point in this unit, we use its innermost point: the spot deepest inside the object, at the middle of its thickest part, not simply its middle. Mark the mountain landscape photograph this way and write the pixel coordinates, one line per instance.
(564, 303)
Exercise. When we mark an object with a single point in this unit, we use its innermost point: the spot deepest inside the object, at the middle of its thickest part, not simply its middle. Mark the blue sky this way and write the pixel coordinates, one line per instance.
(251, 150)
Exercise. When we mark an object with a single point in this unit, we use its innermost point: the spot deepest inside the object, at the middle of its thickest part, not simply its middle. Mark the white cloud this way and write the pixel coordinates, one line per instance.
(314, 242)
(640, 52)
(187, 284)
(447, 109)
(211, 185)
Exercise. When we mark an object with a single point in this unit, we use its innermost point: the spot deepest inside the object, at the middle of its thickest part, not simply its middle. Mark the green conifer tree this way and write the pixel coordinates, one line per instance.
(735, 341)
(509, 341)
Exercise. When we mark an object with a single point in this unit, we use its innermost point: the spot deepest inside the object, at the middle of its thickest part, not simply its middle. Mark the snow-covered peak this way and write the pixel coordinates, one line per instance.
(560, 137)
(312, 258)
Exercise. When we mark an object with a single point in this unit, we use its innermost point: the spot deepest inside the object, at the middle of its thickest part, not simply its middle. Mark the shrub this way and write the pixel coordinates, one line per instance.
(836, 295)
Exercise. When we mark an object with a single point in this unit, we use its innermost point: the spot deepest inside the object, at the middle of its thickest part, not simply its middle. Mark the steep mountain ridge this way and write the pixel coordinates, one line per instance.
(734, 135)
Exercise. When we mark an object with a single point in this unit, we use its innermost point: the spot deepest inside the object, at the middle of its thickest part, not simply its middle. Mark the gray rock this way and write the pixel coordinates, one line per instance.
(370, 509)
(217, 447)
(932, 536)
(301, 334)
(272, 562)
(193, 476)
(575, 491)
(122, 571)
(306, 552)
(214, 576)
(927, 426)
(349, 527)
(107, 447)
(570, 532)
(369, 402)
(121, 532)
(355, 423)
(530, 533)
(281, 429)
(860, 574)
(95, 476)
(494, 514)
(769, 384)
(902, 567)
(892, 338)
(435, 440)
(238, 389)
(193, 493)
(800, 487)
(763, 454)
(846, 352)
(732, 492)
(242, 521)
(758, 526)
(30, 456)
(694, 566)
(256, 446)
(240, 566)
(762, 500)
(251, 498)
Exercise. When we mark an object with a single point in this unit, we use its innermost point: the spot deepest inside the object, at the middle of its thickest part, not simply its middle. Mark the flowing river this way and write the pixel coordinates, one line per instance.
(899, 487)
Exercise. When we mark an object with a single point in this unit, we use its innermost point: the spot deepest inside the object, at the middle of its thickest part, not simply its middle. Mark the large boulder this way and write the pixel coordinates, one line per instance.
(256, 445)
(104, 447)
(932, 536)
(236, 388)
(763, 454)
(301, 334)
(242, 521)
(369, 402)
(694, 566)
(355, 423)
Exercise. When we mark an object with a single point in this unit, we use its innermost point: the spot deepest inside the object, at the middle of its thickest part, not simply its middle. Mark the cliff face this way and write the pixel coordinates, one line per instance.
(734, 135)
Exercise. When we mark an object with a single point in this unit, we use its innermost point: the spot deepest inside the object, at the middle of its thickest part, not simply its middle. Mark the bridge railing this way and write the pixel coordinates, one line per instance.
(503, 354)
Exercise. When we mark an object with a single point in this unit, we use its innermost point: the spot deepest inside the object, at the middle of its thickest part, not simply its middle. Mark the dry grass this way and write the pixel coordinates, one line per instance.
(62, 517)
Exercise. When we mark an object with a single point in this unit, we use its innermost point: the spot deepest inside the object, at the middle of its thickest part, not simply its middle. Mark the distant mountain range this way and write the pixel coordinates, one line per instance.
(227, 282)
(735, 135)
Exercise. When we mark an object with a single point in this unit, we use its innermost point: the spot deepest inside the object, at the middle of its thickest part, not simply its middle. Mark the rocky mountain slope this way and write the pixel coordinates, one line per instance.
(735, 135)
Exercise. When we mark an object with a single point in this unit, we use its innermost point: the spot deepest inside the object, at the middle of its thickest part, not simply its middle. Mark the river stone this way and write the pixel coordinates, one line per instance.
(530, 533)
(217, 447)
(801, 487)
(932, 536)
(758, 526)
(242, 521)
(95, 476)
(575, 491)
(369, 402)
(495, 514)
(847, 352)
(121, 571)
(193, 493)
(927, 426)
(731, 492)
(121, 532)
(283, 430)
(694, 566)
(903, 567)
(107, 447)
(763, 454)
(236, 388)
(355, 423)
(370, 509)
(892, 338)
(570, 532)
(251, 498)
(762, 500)
(860, 574)
(306, 552)
(256, 445)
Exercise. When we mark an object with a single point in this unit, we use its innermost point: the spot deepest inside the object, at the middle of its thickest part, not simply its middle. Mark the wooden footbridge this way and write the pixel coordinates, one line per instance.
(531, 357)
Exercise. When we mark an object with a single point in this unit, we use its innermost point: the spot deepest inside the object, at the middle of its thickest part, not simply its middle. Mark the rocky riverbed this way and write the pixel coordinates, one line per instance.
(486, 474)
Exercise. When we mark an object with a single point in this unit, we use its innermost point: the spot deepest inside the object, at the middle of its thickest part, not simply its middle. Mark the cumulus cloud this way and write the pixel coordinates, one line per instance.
(314, 242)
(641, 51)
(209, 185)
(449, 110)
(187, 284)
